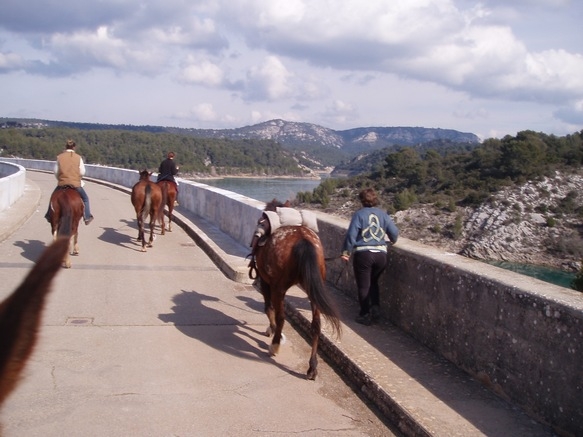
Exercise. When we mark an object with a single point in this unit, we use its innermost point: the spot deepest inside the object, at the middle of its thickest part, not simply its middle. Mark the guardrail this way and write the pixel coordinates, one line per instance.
(521, 337)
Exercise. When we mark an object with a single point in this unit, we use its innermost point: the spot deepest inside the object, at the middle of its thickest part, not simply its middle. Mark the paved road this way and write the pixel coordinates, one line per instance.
(159, 343)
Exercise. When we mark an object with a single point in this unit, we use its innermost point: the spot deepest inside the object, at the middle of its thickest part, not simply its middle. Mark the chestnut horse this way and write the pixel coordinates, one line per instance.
(169, 193)
(147, 201)
(20, 315)
(293, 255)
(67, 209)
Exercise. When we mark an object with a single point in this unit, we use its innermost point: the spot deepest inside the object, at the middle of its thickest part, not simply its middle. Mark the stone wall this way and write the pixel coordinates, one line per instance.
(521, 337)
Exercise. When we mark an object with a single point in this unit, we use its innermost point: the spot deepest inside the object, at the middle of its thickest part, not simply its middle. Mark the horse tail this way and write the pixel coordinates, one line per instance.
(147, 203)
(164, 187)
(313, 283)
(66, 221)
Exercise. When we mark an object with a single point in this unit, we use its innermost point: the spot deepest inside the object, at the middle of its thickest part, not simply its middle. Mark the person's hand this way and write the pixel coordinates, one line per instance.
(344, 258)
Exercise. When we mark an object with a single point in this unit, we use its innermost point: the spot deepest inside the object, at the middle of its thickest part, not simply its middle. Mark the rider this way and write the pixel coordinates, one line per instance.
(69, 171)
(167, 170)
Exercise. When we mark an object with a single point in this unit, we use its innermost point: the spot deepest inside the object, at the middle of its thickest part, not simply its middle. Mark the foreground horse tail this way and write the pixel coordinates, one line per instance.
(20, 316)
(312, 282)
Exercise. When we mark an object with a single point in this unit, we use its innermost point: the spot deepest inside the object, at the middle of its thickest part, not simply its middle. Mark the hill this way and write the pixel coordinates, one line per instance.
(317, 146)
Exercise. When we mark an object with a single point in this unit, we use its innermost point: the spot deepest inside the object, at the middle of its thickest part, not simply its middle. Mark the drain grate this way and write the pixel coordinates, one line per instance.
(79, 321)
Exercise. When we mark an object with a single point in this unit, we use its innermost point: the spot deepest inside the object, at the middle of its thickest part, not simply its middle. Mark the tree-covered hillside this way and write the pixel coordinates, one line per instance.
(138, 150)
(459, 175)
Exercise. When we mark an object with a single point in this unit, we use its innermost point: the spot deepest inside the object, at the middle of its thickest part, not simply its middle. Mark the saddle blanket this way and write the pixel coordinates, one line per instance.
(291, 217)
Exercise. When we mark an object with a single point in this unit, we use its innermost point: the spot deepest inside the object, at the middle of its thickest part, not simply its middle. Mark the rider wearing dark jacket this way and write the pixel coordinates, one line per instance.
(168, 169)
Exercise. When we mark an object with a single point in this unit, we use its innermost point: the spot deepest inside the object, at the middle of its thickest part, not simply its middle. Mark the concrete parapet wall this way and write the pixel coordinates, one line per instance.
(521, 337)
(12, 182)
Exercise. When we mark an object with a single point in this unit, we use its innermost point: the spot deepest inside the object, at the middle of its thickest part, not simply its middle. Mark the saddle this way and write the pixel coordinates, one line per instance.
(270, 221)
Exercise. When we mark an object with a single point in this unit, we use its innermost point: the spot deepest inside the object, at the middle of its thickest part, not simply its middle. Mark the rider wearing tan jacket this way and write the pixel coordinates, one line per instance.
(69, 171)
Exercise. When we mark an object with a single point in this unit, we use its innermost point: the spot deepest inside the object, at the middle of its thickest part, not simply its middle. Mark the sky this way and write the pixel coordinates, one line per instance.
(492, 68)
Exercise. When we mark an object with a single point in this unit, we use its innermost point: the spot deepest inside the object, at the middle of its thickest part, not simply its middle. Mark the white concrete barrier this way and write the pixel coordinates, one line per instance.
(12, 182)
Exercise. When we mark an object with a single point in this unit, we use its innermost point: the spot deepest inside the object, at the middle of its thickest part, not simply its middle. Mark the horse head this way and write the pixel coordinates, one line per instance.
(274, 204)
(145, 175)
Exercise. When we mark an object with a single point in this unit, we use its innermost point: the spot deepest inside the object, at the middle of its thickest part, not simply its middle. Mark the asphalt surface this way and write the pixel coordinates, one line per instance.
(170, 342)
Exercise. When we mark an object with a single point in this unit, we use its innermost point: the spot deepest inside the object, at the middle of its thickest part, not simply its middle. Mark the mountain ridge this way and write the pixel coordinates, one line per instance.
(291, 135)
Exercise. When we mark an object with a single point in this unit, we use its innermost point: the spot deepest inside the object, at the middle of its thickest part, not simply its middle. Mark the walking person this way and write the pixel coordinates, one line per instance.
(366, 242)
(69, 171)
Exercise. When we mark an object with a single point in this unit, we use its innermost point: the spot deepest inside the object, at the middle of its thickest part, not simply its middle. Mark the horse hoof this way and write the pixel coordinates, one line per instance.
(273, 349)
(312, 373)
(268, 331)
(75, 253)
(143, 249)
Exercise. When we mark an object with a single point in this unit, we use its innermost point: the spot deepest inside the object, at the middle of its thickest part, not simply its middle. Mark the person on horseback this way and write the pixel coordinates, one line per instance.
(167, 170)
(69, 171)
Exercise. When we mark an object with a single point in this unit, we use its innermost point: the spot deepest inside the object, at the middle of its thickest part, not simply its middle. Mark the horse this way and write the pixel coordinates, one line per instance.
(147, 200)
(169, 193)
(67, 209)
(20, 315)
(292, 255)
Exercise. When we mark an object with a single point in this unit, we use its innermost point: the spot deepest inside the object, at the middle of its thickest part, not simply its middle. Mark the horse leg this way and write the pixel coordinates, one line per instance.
(152, 225)
(163, 223)
(268, 308)
(170, 209)
(67, 258)
(279, 321)
(76, 244)
(315, 329)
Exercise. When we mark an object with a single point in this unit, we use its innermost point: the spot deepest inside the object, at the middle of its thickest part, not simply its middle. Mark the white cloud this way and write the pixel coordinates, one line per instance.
(202, 72)
(268, 81)
(304, 58)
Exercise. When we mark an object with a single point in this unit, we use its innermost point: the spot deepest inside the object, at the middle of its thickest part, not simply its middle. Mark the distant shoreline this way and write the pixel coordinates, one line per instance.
(203, 178)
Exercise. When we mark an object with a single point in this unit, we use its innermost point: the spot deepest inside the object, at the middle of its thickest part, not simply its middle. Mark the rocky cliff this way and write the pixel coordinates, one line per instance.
(539, 223)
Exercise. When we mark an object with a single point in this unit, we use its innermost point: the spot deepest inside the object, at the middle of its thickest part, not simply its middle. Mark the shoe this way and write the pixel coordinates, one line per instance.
(364, 320)
(375, 313)
(89, 220)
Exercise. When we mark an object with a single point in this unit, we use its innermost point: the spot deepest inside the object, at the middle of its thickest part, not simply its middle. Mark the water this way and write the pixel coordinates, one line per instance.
(557, 277)
(264, 189)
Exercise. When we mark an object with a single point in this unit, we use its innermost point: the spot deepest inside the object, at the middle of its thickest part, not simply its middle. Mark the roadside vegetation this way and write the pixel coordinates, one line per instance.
(450, 180)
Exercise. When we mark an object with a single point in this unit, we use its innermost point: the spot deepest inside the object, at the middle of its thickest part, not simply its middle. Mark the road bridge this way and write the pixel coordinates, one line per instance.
(163, 342)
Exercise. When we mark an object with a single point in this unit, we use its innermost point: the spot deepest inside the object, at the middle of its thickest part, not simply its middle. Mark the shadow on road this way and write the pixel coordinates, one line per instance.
(194, 316)
(31, 249)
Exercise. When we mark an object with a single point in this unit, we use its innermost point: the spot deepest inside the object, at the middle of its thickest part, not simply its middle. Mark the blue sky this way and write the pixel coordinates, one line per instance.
(492, 68)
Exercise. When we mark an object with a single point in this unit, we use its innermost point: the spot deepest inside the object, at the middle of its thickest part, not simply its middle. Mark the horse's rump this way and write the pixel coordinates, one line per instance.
(67, 209)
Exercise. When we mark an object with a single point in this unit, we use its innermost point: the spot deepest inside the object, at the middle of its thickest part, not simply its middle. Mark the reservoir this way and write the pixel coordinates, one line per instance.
(264, 189)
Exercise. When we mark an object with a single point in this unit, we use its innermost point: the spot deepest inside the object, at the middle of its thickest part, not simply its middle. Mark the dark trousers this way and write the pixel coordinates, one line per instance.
(368, 267)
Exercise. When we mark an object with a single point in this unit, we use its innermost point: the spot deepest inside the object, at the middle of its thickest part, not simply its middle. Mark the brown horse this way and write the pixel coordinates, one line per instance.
(147, 201)
(20, 315)
(67, 209)
(169, 193)
(293, 255)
